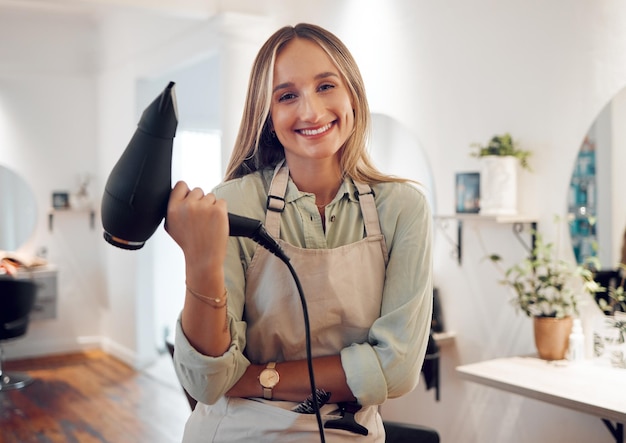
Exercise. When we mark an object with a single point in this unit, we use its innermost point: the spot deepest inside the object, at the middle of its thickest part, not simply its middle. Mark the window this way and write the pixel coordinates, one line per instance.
(197, 159)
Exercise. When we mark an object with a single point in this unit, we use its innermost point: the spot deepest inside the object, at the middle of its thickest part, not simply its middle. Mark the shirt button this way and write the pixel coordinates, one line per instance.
(332, 218)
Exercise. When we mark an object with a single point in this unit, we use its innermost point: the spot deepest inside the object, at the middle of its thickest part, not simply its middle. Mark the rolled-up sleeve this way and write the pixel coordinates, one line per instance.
(207, 378)
(389, 364)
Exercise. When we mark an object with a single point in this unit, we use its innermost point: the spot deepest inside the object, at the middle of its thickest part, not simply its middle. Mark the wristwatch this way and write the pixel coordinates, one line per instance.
(269, 378)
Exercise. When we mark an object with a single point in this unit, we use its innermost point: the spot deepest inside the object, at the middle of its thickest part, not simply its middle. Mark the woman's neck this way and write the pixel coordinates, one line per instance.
(320, 178)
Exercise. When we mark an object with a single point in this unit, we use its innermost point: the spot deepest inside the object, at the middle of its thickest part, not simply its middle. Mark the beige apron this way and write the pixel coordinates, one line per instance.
(343, 289)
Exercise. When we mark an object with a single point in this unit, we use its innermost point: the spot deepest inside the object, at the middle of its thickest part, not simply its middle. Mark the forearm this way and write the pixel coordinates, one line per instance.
(294, 384)
(205, 322)
(198, 223)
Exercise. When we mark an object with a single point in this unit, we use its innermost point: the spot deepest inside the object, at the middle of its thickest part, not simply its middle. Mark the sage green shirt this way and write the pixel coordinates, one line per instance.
(389, 363)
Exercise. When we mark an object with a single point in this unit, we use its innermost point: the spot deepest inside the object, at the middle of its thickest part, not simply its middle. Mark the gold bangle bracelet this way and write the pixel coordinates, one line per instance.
(214, 302)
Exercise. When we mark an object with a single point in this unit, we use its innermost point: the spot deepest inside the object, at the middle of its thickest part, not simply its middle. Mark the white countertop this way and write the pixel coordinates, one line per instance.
(591, 386)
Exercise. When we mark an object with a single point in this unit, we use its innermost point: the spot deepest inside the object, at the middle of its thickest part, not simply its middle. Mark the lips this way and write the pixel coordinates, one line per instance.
(316, 131)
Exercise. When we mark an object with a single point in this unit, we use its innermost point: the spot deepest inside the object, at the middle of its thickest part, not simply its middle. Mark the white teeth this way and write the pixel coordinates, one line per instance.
(316, 131)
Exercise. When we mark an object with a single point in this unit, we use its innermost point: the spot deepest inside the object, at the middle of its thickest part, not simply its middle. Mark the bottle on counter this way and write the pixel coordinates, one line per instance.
(576, 350)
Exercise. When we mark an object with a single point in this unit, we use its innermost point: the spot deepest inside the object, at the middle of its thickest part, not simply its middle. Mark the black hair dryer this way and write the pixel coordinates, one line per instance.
(138, 189)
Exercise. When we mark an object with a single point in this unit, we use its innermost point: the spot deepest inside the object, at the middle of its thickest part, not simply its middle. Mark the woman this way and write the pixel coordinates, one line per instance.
(359, 240)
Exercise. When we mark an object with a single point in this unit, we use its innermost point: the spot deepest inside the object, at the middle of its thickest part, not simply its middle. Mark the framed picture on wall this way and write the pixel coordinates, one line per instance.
(60, 200)
(467, 192)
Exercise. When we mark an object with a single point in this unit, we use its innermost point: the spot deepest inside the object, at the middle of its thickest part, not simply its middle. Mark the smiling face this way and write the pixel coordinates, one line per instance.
(311, 109)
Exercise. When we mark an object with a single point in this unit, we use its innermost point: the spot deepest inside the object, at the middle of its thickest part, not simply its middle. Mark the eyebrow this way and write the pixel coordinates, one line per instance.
(317, 77)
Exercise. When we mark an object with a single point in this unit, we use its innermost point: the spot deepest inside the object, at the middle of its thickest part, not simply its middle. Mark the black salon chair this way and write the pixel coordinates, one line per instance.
(609, 279)
(409, 433)
(17, 298)
(396, 432)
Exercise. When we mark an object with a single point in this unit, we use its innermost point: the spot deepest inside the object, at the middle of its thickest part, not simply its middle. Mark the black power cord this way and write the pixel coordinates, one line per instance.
(309, 360)
(264, 239)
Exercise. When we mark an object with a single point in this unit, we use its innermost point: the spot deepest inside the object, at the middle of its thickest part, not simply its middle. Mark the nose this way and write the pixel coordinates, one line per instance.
(311, 108)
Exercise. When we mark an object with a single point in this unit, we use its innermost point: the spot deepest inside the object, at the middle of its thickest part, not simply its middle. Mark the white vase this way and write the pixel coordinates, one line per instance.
(498, 185)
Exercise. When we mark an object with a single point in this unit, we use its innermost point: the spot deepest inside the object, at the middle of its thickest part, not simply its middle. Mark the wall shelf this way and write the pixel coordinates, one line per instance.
(90, 211)
(517, 222)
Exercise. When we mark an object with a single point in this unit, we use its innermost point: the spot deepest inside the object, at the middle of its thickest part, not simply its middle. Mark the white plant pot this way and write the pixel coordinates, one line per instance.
(498, 185)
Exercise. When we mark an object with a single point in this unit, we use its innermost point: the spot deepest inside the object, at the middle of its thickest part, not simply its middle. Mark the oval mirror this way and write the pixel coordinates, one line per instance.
(18, 210)
(395, 150)
(597, 216)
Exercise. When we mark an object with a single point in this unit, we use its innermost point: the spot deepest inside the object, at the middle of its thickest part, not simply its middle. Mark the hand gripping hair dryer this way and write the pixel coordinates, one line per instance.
(137, 191)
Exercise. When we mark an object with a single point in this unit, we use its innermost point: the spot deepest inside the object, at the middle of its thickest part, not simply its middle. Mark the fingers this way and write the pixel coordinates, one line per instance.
(179, 191)
(186, 204)
(182, 191)
(198, 223)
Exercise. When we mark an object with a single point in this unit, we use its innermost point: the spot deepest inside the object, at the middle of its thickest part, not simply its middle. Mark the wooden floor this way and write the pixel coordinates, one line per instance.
(92, 397)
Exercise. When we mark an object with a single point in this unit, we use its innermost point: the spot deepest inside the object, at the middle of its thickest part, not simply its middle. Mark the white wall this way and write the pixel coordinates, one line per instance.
(52, 121)
(452, 72)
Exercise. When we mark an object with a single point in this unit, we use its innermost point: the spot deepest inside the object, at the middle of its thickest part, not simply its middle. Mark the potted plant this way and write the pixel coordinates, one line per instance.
(500, 159)
(502, 146)
(548, 290)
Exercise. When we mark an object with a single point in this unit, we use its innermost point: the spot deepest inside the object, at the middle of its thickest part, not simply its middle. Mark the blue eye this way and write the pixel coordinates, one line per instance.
(326, 87)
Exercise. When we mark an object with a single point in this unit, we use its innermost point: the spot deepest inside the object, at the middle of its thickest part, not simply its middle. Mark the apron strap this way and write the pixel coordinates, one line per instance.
(365, 195)
(276, 199)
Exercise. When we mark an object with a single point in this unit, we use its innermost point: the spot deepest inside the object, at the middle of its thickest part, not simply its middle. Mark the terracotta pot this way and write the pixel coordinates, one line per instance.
(552, 336)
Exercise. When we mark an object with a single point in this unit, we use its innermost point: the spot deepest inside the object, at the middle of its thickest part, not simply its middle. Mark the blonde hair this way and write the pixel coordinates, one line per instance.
(256, 148)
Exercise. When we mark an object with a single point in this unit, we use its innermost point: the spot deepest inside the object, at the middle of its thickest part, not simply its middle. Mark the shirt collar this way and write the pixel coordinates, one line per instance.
(347, 188)
(292, 193)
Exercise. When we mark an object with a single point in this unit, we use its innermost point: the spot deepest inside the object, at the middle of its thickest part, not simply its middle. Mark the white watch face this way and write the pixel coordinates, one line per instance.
(269, 378)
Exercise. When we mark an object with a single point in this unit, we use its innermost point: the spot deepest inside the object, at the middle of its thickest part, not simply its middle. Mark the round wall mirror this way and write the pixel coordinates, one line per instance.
(396, 150)
(18, 210)
(596, 212)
